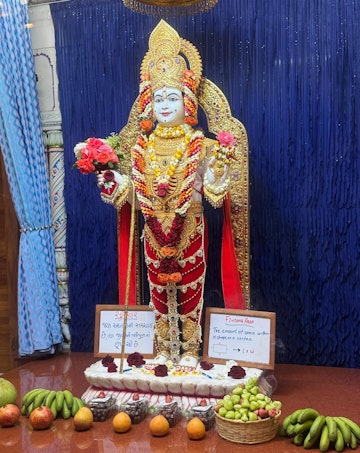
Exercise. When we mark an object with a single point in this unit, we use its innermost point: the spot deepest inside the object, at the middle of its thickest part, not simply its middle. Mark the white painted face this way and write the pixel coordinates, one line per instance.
(169, 106)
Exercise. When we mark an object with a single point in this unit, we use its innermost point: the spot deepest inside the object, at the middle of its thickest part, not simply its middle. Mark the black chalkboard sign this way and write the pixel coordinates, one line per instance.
(246, 336)
(109, 325)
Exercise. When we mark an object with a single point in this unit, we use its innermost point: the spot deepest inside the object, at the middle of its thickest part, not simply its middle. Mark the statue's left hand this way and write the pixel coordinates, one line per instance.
(217, 174)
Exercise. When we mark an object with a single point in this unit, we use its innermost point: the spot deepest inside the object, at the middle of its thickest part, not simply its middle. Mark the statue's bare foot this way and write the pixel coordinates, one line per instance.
(188, 363)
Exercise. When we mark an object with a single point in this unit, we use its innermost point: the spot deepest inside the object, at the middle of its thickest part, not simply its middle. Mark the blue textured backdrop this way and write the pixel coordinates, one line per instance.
(290, 69)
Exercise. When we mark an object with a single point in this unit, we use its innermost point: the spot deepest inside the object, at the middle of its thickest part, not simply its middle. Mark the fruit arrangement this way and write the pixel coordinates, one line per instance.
(309, 428)
(62, 402)
(247, 403)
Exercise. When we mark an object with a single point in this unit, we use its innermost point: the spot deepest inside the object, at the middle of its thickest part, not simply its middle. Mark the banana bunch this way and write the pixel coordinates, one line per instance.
(309, 428)
(62, 402)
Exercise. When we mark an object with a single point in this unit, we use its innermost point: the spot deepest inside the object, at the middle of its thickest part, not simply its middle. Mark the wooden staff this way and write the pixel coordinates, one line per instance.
(128, 275)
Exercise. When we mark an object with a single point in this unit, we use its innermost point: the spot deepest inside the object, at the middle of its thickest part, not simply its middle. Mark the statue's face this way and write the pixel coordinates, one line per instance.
(169, 106)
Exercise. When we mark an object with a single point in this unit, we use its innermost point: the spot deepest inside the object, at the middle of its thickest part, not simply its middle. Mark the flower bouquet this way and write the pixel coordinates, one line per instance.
(97, 155)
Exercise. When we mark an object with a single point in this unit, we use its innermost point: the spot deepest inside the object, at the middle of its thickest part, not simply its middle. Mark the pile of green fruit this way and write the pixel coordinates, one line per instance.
(309, 428)
(62, 402)
(247, 403)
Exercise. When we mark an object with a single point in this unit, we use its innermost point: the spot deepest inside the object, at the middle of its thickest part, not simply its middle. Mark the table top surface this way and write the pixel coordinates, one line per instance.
(332, 391)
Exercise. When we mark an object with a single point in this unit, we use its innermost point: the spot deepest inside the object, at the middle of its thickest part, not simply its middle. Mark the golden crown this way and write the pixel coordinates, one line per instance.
(168, 57)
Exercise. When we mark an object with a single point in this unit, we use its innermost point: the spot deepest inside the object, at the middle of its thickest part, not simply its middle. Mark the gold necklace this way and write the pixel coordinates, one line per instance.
(162, 179)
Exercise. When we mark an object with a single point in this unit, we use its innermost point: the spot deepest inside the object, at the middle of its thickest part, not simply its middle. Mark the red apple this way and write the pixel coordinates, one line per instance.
(168, 398)
(101, 394)
(136, 397)
(9, 415)
(41, 417)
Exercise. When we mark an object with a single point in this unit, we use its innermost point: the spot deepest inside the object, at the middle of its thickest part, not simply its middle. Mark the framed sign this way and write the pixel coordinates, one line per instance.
(246, 336)
(109, 325)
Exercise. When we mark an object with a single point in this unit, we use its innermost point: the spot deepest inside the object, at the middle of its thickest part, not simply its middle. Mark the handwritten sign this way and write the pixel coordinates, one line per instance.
(109, 325)
(246, 336)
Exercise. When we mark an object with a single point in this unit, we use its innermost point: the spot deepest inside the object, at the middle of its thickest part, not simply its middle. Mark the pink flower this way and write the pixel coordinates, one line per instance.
(89, 152)
(95, 142)
(226, 139)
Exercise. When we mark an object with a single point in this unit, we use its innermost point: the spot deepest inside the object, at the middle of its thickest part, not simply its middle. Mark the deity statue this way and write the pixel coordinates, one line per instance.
(172, 166)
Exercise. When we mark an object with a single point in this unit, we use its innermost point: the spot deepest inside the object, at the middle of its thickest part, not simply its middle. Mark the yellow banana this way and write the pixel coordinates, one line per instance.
(324, 443)
(307, 414)
(355, 428)
(59, 400)
(339, 443)
(344, 428)
(332, 427)
(68, 396)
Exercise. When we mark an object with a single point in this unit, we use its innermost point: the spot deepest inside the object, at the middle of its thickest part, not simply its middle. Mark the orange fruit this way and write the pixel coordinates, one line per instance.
(159, 426)
(195, 429)
(121, 422)
(83, 419)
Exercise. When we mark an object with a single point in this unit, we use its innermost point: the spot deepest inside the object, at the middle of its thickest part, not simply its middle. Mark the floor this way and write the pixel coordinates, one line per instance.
(332, 391)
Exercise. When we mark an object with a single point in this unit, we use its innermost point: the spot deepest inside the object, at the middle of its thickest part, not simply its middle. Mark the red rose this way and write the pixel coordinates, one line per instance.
(237, 372)
(106, 360)
(206, 365)
(85, 166)
(161, 370)
(112, 367)
(135, 359)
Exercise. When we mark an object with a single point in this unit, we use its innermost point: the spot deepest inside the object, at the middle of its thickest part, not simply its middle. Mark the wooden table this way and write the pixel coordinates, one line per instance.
(332, 391)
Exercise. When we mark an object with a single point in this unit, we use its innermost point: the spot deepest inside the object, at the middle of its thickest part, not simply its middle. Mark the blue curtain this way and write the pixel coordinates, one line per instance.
(290, 70)
(22, 146)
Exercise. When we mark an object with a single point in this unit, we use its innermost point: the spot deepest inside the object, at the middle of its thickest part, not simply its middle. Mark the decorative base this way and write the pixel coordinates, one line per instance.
(198, 383)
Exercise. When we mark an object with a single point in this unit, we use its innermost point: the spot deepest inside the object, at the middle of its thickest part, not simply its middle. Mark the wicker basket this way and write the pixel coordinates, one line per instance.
(247, 432)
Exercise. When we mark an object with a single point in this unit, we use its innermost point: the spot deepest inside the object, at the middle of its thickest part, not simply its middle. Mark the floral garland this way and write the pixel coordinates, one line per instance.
(169, 267)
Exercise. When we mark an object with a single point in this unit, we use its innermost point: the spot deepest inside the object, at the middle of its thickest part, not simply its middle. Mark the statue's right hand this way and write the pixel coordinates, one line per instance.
(108, 175)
